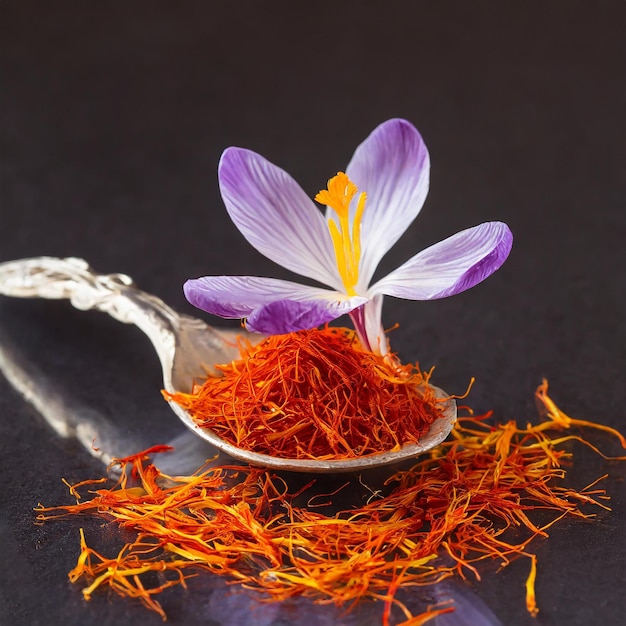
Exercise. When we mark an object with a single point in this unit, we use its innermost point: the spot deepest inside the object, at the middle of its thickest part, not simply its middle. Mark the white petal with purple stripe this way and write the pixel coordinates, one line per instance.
(450, 266)
(275, 215)
(392, 167)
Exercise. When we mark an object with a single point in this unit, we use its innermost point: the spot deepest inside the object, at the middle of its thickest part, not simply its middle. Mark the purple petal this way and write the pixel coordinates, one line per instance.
(450, 266)
(392, 166)
(287, 316)
(275, 215)
(237, 296)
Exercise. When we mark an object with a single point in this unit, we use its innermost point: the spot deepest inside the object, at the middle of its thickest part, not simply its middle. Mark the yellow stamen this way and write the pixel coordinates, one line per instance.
(341, 190)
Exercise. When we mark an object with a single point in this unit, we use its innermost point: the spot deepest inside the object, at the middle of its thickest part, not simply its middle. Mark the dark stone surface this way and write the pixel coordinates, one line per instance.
(113, 119)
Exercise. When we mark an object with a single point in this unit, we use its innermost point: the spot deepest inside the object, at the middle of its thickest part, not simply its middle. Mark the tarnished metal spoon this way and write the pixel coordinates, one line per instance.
(187, 348)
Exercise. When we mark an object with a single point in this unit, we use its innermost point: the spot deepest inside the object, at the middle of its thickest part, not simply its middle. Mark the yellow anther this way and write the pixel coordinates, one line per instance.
(339, 194)
(346, 241)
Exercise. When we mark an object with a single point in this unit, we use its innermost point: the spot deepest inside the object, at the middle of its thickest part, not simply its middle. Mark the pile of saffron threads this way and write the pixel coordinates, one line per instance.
(314, 394)
(244, 524)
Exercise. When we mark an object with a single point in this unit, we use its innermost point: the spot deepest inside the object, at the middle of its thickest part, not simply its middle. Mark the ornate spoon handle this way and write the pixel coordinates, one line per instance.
(184, 344)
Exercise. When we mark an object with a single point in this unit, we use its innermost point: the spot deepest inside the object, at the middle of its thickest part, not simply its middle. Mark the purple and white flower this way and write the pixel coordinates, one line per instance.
(367, 210)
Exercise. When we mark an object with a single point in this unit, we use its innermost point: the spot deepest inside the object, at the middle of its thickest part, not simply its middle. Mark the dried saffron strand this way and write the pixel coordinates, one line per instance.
(440, 518)
(122, 574)
(531, 602)
(314, 394)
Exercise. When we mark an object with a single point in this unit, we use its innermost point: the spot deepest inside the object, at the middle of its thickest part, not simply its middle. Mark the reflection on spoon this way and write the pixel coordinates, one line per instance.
(97, 434)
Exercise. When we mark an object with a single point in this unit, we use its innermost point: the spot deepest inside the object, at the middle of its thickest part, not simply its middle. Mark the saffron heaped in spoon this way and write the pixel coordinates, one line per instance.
(315, 394)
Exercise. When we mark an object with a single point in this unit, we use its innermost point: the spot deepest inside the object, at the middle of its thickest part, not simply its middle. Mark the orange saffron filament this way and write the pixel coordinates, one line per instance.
(531, 602)
(314, 394)
(439, 518)
(346, 238)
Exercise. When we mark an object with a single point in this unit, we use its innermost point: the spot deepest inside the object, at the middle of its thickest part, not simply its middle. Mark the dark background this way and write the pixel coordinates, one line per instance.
(114, 116)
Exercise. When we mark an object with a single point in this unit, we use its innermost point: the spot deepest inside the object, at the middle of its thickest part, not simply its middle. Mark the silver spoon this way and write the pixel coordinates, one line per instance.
(187, 348)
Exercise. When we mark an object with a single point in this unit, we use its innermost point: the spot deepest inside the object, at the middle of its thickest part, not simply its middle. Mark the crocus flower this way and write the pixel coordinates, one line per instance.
(367, 209)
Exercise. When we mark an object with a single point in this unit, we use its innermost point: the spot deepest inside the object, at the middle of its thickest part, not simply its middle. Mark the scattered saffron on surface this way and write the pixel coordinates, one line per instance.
(442, 517)
(314, 394)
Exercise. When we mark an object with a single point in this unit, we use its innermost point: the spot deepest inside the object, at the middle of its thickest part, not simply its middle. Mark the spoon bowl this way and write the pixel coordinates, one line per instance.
(188, 350)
